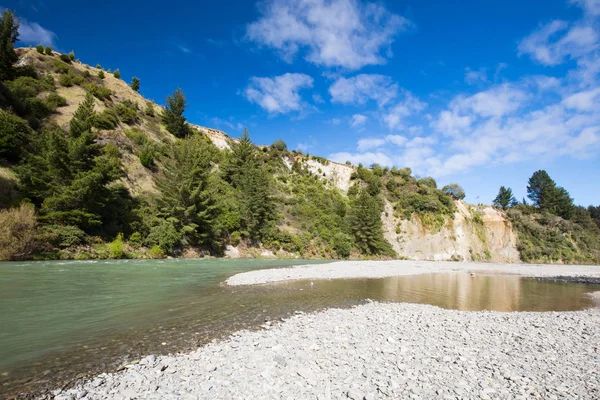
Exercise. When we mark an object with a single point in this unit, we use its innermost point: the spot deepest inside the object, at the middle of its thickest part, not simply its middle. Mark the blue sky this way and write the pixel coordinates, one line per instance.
(482, 93)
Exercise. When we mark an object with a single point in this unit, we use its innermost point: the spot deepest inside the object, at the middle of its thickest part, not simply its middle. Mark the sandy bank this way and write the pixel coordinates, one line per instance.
(378, 351)
(382, 269)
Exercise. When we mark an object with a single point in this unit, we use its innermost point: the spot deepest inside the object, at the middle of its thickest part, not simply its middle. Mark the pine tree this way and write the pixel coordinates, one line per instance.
(9, 34)
(117, 74)
(83, 119)
(101, 74)
(173, 117)
(135, 84)
(505, 198)
(545, 195)
(365, 225)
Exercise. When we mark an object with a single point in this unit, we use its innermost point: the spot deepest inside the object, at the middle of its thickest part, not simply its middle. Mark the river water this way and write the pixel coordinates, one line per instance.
(61, 321)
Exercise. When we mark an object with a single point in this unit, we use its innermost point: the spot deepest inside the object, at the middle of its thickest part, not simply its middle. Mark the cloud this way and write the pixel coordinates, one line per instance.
(583, 101)
(410, 105)
(33, 33)
(495, 102)
(369, 143)
(335, 121)
(278, 95)
(331, 33)
(591, 7)
(184, 49)
(473, 77)
(362, 158)
(358, 120)
(364, 87)
(552, 43)
(318, 99)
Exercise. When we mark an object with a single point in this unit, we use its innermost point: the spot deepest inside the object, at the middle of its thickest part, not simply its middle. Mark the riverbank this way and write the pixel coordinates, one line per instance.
(383, 269)
(379, 350)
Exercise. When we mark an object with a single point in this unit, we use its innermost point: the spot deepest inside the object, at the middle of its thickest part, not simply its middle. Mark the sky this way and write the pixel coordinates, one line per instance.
(482, 93)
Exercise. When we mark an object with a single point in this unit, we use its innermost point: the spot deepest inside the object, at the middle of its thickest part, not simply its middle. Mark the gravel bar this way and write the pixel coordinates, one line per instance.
(383, 269)
(377, 351)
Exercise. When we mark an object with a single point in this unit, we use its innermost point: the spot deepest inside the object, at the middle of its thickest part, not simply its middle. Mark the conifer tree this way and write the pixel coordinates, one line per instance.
(365, 225)
(135, 84)
(505, 198)
(173, 117)
(9, 34)
(545, 195)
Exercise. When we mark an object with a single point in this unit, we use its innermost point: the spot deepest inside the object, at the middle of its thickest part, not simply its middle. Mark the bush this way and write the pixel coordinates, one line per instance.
(164, 235)
(100, 92)
(342, 244)
(136, 136)
(98, 66)
(428, 181)
(115, 248)
(67, 235)
(454, 190)
(17, 232)
(126, 113)
(72, 56)
(156, 252)
(149, 109)
(66, 80)
(48, 50)
(86, 74)
(279, 144)
(25, 87)
(101, 74)
(60, 67)
(54, 101)
(146, 156)
(65, 58)
(117, 74)
(40, 48)
(135, 84)
(235, 238)
(135, 240)
(107, 119)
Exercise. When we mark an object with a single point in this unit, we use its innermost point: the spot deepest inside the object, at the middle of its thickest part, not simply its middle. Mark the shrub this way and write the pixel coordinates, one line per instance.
(72, 56)
(428, 181)
(68, 235)
(235, 238)
(136, 136)
(17, 232)
(149, 109)
(115, 248)
(107, 119)
(60, 67)
(146, 155)
(48, 50)
(164, 235)
(126, 113)
(86, 74)
(101, 74)
(342, 244)
(54, 101)
(40, 48)
(279, 144)
(100, 92)
(98, 66)
(156, 252)
(135, 84)
(454, 190)
(65, 58)
(117, 74)
(66, 80)
(135, 240)
(25, 87)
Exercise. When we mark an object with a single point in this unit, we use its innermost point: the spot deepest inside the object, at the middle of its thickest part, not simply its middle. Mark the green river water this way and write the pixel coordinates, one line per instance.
(61, 321)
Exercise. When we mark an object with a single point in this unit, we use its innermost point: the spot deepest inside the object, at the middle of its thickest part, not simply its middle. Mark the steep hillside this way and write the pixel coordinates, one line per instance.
(206, 193)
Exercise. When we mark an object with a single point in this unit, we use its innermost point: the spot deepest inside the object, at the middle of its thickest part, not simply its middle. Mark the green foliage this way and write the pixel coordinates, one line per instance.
(54, 101)
(235, 238)
(165, 236)
(61, 67)
(67, 235)
(107, 119)
(149, 111)
(173, 117)
(365, 225)
(126, 112)
(505, 198)
(65, 58)
(72, 56)
(136, 136)
(100, 92)
(40, 48)
(279, 144)
(454, 190)
(147, 155)
(101, 74)
(17, 232)
(135, 84)
(48, 50)
(15, 133)
(156, 252)
(116, 248)
(342, 244)
(117, 74)
(9, 34)
(545, 195)
(135, 240)
(428, 181)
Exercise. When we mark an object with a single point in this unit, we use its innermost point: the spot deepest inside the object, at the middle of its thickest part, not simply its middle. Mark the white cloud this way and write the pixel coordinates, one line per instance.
(369, 143)
(495, 102)
(552, 43)
(334, 33)
(335, 121)
(583, 101)
(478, 76)
(33, 33)
(318, 99)
(362, 158)
(396, 139)
(358, 120)
(184, 48)
(364, 87)
(410, 105)
(278, 95)
(591, 7)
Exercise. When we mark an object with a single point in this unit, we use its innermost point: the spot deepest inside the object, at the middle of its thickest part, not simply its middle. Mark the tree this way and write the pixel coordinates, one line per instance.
(40, 48)
(48, 50)
(365, 225)
(505, 198)
(454, 190)
(279, 144)
(14, 134)
(9, 34)
(595, 214)
(101, 74)
(135, 84)
(173, 117)
(117, 74)
(546, 196)
(72, 56)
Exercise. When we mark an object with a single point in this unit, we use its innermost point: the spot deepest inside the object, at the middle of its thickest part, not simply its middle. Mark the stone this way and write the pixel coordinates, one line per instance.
(355, 394)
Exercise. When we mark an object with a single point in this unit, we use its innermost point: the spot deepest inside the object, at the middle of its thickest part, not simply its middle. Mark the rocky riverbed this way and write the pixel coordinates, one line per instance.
(382, 269)
(379, 350)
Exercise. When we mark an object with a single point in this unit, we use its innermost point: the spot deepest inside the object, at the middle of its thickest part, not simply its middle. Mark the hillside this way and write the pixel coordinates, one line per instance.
(106, 177)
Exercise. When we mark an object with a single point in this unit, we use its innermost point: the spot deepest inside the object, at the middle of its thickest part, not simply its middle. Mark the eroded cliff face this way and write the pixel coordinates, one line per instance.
(475, 234)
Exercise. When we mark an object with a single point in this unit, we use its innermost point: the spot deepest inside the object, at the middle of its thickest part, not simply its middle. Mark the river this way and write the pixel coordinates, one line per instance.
(61, 321)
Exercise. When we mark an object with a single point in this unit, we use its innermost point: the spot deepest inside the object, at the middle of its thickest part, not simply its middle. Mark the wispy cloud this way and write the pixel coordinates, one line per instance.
(184, 48)
(358, 120)
(34, 33)
(280, 94)
(361, 88)
(333, 33)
